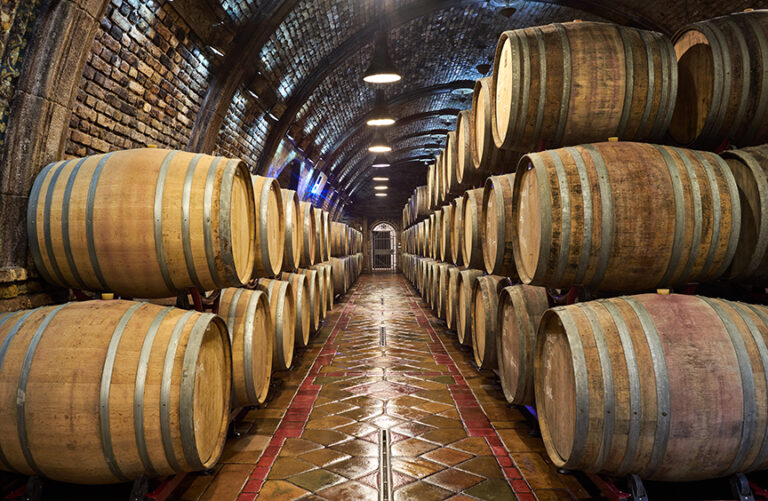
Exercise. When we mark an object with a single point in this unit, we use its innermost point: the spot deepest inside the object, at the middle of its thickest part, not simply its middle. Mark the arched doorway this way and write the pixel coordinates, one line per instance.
(383, 245)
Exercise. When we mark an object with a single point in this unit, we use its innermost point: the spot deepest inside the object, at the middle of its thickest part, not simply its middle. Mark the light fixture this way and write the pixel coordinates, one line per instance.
(216, 51)
(462, 91)
(379, 143)
(252, 94)
(380, 161)
(381, 194)
(381, 69)
(380, 115)
(379, 187)
(381, 179)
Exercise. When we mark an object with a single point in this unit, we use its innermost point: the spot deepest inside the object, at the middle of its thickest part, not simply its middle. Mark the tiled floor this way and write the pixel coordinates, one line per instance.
(452, 434)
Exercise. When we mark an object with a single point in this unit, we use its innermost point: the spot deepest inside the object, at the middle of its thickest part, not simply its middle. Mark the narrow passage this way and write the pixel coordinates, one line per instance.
(383, 362)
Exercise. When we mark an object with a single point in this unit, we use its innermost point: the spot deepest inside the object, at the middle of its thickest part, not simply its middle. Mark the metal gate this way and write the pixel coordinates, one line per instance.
(383, 248)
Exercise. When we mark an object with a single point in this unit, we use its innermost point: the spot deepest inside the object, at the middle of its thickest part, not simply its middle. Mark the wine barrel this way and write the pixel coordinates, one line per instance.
(101, 392)
(723, 86)
(451, 158)
(580, 82)
(497, 222)
(327, 233)
(339, 239)
(426, 285)
(321, 227)
(270, 227)
(308, 235)
(330, 296)
(667, 387)
(283, 313)
(487, 159)
(317, 303)
(326, 278)
(464, 172)
(485, 302)
(519, 314)
(473, 228)
(452, 298)
(465, 285)
(302, 307)
(441, 289)
(421, 201)
(184, 220)
(431, 182)
(340, 278)
(293, 230)
(750, 170)
(431, 236)
(457, 229)
(446, 235)
(247, 315)
(624, 216)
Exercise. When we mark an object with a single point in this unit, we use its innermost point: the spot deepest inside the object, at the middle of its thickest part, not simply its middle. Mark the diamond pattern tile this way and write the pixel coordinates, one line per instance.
(452, 434)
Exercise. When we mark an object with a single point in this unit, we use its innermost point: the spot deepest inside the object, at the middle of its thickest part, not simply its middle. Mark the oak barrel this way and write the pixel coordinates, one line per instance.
(487, 159)
(519, 314)
(249, 323)
(302, 307)
(446, 218)
(316, 299)
(101, 392)
(580, 82)
(283, 313)
(457, 228)
(750, 170)
(465, 285)
(473, 228)
(451, 186)
(498, 225)
(623, 216)
(293, 230)
(184, 220)
(441, 289)
(485, 302)
(669, 387)
(308, 235)
(340, 277)
(452, 298)
(326, 233)
(270, 227)
(723, 87)
(465, 173)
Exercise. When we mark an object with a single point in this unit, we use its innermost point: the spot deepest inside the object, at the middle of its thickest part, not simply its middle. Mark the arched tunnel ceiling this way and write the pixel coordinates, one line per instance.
(318, 52)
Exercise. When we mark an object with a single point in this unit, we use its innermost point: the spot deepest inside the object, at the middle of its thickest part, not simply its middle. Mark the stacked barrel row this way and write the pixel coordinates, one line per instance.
(631, 384)
(153, 384)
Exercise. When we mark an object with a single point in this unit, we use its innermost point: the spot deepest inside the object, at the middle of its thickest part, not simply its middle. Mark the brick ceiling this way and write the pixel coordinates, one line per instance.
(316, 58)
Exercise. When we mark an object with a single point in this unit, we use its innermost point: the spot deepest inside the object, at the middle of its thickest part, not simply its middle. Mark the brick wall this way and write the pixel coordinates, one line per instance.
(143, 82)
(243, 132)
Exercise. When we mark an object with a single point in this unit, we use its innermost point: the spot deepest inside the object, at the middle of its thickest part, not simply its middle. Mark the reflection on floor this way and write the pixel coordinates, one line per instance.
(452, 435)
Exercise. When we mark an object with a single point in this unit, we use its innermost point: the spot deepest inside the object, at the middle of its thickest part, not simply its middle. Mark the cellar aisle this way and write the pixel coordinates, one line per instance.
(384, 362)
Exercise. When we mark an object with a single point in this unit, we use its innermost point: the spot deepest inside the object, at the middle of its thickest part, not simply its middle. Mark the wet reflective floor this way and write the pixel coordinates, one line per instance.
(386, 400)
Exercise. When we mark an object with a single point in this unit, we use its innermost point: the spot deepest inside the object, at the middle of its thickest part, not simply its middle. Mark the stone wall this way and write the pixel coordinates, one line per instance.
(17, 22)
(143, 83)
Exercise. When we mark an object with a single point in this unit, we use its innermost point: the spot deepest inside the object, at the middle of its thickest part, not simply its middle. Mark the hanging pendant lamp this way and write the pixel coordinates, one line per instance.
(380, 116)
(379, 144)
(381, 69)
